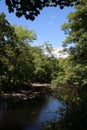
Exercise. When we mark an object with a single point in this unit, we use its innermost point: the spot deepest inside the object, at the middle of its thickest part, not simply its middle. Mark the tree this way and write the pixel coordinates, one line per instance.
(74, 70)
(31, 8)
(38, 73)
(77, 38)
(23, 61)
(45, 64)
(24, 34)
(8, 47)
(15, 53)
(74, 89)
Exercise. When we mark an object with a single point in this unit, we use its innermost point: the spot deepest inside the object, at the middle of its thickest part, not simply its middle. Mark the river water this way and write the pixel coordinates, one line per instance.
(29, 117)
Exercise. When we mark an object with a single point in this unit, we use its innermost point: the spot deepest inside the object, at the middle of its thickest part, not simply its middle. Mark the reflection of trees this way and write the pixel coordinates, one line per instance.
(24, 113)
(20, 113)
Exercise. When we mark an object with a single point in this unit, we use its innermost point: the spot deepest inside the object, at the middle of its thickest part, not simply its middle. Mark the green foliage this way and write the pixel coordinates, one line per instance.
(45, 64)
(71, 83)
(75, 68)
(15, 54)
(7, 47)
(24, 34)
(21, 63)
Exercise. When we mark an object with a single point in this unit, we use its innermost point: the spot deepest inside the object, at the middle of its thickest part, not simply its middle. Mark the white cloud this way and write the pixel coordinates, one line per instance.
(57, 53)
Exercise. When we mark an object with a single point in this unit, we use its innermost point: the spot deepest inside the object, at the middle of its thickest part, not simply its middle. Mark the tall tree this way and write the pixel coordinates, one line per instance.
(23, 63)
(8, 47)
(15, 53)
(76, 29)
(74, 69)
(74, 77)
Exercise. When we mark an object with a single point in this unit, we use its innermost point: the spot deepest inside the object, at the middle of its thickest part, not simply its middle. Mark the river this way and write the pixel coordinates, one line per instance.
(29, 116)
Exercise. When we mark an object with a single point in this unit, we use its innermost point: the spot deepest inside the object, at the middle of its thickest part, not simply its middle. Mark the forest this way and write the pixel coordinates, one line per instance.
(22, 64)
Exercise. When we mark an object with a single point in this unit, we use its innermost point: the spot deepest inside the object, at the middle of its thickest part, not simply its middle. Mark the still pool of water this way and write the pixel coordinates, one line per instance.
(29, 117)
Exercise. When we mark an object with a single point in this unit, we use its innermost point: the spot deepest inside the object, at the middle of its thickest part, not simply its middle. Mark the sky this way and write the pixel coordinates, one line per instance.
(47, 25)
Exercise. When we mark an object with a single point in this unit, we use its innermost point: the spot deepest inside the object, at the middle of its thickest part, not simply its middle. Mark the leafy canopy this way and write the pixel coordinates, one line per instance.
(31, 8)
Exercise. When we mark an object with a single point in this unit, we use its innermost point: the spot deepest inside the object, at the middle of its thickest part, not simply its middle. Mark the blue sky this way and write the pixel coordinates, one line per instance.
(47, 25)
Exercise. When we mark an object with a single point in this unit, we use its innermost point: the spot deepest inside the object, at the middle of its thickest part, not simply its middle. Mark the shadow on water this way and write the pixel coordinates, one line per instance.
(27, 115)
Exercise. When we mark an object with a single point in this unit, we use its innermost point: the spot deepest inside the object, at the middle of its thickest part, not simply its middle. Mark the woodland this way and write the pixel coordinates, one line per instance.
(22, 64)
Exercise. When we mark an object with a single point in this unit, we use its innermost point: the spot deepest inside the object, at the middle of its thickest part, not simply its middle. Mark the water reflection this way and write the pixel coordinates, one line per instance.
(49, 110)
(29, 116)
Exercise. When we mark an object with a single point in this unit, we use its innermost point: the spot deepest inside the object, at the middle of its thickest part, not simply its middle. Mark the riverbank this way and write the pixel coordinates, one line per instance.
(35, 92)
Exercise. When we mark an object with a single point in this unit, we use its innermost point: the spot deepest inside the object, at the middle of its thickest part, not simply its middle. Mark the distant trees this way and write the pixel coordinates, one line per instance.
(45, 64)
